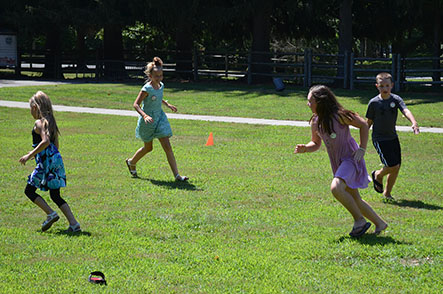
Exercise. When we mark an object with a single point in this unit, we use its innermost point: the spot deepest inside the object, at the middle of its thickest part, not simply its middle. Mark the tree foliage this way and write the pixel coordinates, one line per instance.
(110, 27)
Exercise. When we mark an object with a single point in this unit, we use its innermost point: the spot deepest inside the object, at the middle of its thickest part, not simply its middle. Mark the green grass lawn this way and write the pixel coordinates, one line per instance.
(254, 218)
(227, 99)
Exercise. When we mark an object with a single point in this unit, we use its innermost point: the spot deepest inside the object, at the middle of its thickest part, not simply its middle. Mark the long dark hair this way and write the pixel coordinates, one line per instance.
(328, 108)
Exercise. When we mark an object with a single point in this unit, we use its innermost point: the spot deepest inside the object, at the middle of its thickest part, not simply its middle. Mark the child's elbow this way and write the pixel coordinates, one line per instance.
(45, 143)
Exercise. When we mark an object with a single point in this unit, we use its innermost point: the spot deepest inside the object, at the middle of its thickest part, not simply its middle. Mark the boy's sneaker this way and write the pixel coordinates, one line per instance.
(52, 218)
(74, 229)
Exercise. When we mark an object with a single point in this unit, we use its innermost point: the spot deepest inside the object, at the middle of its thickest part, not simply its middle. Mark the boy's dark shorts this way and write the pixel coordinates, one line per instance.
(389, 152)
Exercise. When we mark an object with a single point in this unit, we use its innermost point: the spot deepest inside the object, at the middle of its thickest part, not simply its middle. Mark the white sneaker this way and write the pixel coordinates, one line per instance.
(74, 229)
(180, 178)
(52, 218)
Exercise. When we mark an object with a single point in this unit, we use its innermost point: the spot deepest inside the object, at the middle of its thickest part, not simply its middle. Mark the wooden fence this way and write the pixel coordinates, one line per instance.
(300, 68)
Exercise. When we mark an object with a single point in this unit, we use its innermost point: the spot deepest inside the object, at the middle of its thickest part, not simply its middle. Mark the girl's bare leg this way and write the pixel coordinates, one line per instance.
(367, 210)
(141, 152)
(169, 154)
(338, 189)
(68, 213)
(40, 202)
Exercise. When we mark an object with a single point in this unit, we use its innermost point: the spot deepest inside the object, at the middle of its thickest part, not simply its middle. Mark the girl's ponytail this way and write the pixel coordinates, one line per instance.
(156, 63)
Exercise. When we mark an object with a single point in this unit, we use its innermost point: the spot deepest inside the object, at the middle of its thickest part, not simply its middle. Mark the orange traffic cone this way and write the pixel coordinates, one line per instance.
(210, 141)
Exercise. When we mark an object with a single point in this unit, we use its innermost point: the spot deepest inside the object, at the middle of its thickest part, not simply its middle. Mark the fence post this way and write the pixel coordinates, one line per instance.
(195, 58)
(226, 64)
(351, 73)
(305, 69)
(18, 64)
(98, 65)
(399, 85)
(393, 67)
(309, 67)
(346, 69)
(394, 71)
(249, 69)
(55, 66)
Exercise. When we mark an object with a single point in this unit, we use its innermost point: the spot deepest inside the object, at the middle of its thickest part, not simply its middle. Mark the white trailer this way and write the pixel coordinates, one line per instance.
(8, 50)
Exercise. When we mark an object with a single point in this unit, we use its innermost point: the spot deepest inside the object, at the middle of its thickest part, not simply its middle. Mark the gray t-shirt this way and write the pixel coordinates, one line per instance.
(383, 112)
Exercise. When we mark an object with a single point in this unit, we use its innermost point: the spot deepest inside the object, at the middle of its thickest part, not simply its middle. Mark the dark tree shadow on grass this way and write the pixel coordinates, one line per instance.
(414, 204)
(372, 239)
(172, 184)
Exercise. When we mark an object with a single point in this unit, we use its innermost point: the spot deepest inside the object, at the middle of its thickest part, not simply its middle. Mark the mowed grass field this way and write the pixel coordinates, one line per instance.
(254, 217)
(227, 99)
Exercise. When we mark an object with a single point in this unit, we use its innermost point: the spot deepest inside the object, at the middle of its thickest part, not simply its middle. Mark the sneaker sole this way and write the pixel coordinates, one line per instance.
(70, 231)
(48, 225)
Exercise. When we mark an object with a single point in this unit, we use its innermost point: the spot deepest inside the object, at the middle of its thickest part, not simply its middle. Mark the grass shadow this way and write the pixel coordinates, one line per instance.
(414, 204)
(173, 184)
(372, 239)
(77, 234)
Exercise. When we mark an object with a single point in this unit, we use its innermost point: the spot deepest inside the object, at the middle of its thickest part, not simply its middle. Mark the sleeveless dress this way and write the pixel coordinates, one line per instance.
(152, 106)
(50, 171)
(341, 146)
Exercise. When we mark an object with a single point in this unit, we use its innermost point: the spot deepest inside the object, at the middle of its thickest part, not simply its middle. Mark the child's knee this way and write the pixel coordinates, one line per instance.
(394, 168)
(30, 192)
(166, 146)
(147, 148)
(336, 185)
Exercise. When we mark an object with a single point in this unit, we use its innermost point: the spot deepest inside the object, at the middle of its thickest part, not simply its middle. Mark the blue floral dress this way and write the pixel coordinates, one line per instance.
(152, 106)
(49, 174)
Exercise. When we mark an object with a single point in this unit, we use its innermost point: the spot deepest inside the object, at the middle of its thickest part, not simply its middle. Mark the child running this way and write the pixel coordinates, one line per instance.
(153, 122)
(382, 114)
(330, 123)
(49, 173)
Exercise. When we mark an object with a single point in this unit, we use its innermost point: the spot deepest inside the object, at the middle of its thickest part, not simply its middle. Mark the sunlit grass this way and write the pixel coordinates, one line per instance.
(226, 99)
(254, 217)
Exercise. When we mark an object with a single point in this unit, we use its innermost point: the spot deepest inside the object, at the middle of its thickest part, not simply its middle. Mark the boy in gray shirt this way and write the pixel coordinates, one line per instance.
(382, 114)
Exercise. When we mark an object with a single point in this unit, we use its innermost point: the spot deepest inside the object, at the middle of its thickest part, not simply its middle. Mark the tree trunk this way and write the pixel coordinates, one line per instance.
(261, 43)
(436, 76)
(345, 41)
(184, 45)
(81, 47)
(113, 52)
(52, 68)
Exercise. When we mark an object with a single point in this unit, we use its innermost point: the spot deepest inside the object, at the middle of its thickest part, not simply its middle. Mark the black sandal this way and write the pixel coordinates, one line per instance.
(132, 171)
(359, 231)
(378, 187)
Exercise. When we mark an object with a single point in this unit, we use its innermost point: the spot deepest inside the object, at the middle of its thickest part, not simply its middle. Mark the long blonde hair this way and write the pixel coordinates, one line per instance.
(156, 64)
(45, 113)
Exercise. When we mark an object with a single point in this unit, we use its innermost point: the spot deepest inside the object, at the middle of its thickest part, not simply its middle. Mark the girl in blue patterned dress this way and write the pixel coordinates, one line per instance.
(49, 174)
(153, 122)
(330, 123)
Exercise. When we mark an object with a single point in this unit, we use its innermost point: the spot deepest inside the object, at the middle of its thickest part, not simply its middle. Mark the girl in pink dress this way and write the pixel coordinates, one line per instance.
(330, 123)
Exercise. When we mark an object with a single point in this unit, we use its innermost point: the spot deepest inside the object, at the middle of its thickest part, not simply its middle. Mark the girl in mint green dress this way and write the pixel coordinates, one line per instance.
(153, 122)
